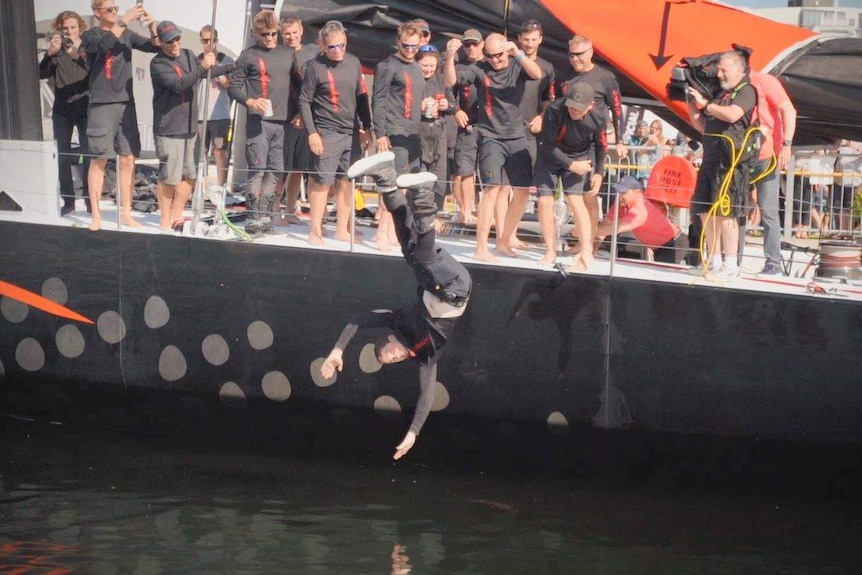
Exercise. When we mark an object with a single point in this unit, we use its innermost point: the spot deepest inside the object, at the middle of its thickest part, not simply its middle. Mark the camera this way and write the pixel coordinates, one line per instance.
(67, 41)
(701, 73)
(677, 89)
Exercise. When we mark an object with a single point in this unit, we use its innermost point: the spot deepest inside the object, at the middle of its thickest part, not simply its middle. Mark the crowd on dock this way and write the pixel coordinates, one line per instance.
(482, 113)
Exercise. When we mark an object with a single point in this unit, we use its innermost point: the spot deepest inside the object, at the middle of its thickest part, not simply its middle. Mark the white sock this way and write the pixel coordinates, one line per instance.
(715, 262)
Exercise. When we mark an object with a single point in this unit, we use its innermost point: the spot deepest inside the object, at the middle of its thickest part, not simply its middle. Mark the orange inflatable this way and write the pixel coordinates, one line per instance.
(671, 182)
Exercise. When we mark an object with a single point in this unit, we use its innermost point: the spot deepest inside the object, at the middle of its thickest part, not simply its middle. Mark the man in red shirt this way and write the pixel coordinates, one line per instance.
(645, 222)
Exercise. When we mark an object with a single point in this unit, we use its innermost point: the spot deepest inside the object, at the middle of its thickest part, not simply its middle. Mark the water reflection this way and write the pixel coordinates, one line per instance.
(93, 505)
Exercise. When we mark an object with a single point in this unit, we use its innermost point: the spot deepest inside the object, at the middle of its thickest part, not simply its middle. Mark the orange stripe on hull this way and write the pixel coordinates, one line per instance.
(644, 39)
(41, 303)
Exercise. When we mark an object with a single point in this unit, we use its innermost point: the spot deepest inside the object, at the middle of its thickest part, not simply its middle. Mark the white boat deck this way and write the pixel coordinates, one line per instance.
(463, 246)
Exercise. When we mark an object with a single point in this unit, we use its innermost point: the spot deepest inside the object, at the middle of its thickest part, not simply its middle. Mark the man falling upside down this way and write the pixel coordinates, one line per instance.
(419, 329)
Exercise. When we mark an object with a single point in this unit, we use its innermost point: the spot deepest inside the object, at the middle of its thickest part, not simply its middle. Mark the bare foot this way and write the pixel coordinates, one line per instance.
(506, 250)
(519, 245)
(548, 259)
(315, 239)
(485, 256)
(468, 219)
(130, 221)
(345, 237)
(580, 265)
(96, 224)
(280, 221)
(383, 243)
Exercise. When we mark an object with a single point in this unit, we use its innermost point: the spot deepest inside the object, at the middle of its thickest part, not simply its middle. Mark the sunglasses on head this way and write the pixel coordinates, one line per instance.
(333, 47)
(427, 48)
(268, 34)
(494, 56)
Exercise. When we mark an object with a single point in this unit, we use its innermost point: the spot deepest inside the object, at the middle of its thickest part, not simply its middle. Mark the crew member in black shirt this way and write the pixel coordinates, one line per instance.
(333, 94)
(175, 72)
(499, 83)
(571, 153)
(261, 83)
(466, 139)
(65, 65)
(112, 122)
(420, 329)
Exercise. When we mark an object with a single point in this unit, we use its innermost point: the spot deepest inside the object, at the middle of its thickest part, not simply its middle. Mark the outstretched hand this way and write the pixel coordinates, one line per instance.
(406, 444)
(332, 363)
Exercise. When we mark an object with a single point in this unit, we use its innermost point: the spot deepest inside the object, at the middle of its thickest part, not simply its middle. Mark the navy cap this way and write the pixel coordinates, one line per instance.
(580, 96)
(167, 31)
(627, 184)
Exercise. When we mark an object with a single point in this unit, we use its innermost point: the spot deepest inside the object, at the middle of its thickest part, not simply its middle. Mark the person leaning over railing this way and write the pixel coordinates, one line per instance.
(65, 64)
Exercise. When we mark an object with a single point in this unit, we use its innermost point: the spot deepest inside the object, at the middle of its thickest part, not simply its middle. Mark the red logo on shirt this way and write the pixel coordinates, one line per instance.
(264, 79)
(420, 344)
(408, 95)
(363, 87)
(333, 91)
(179, 72)
(109, 66)
(488, 102)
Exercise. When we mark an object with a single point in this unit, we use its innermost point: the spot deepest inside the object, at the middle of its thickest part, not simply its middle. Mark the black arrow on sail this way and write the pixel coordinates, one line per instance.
(660, 59)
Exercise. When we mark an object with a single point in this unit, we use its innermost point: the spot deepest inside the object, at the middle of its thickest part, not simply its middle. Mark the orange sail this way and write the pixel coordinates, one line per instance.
(644, 39)
(39, 302)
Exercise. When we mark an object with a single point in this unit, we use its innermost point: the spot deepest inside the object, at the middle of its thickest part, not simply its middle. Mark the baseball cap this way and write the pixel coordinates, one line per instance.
(421, 25)
(627, 184)
(580, 96)
(167, 31)
(643, 124)
(472, 35)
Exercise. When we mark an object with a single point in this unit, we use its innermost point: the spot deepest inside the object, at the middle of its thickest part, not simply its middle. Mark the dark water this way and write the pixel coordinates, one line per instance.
(106, 504)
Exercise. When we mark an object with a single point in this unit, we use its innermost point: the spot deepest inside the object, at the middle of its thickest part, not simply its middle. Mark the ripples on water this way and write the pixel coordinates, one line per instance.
(106, 505)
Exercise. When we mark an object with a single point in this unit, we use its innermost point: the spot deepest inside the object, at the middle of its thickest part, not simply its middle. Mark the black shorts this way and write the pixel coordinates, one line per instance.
(335, 159)
(408, 151)
(217, 134)
(466, 152)
(511, 156)
(297, 155)
(546, 178)
(113, 129)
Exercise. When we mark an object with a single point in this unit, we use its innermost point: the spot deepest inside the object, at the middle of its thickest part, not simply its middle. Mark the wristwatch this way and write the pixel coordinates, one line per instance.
(787, 142)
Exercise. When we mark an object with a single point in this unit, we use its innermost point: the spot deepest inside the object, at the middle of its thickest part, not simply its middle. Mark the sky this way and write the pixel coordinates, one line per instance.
(783, 3)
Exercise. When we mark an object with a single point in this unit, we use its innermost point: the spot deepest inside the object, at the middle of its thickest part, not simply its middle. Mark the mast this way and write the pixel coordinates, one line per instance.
(20, 108)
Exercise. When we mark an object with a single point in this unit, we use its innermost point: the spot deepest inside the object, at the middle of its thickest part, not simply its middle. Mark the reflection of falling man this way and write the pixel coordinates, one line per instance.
(420, 329)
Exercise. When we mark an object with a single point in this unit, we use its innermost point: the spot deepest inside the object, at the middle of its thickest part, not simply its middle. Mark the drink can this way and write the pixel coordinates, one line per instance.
(430, 108)
(268, 112)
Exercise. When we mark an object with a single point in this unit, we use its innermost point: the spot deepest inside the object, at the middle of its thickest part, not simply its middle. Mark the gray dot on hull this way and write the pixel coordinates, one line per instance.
(276, 386)
(387, 406)
(13, 310)
(441, 398)
(70, 342)
(111, 327)
(55, 290)
(2, 371)
(156, 312)
(345, 418)
(30, 355)
(368, 359)
(232, 396)
(318, 379)
(215, 349)
(557, 423)
(172, 364)
(259, 335)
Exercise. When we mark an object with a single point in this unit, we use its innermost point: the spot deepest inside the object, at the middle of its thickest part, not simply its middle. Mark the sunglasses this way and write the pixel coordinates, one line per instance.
(470, 43)
(268, 34)
(494, 56)
(174, 41)
(113, 9)
(334, 47)
(428, 48)
(579, 54)
(409, 47)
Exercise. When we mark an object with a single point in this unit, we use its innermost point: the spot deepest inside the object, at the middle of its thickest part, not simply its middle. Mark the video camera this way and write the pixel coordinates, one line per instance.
(700, 73)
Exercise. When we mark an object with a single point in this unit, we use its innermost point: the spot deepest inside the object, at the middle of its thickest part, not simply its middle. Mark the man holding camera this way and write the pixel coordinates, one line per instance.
(65, 64)
(722, 118)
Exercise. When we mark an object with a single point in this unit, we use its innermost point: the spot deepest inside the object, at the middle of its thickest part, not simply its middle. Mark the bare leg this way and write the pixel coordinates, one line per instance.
(127, 181)
(483, 229)
(592, 203)
(317, 194)
(578, 205)
(95, 183)
(182, 192)
(520, 197)
(294, 182)
(729, 230)
(343, 207)
(165, 195)
(710, 227)
(221, 166)
(385, 228)
(500, 209)
(546, 220)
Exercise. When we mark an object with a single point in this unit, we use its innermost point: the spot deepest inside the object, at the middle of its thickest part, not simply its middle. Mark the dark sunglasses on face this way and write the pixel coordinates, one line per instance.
(268, 34)
(333, 47)
(578, 54)
(409, 46)
(495, 56)
(113, 9)
(175, 40)
(470, 44)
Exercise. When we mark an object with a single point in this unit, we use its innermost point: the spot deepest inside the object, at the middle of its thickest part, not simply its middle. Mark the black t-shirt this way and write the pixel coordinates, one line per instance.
(332, 95)
(266, 73)
(563, 139)
(744, 96)
(537, 92)
(607, 94)
(499, 94)
(109, 60)
(69, 77)
(396, 100)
